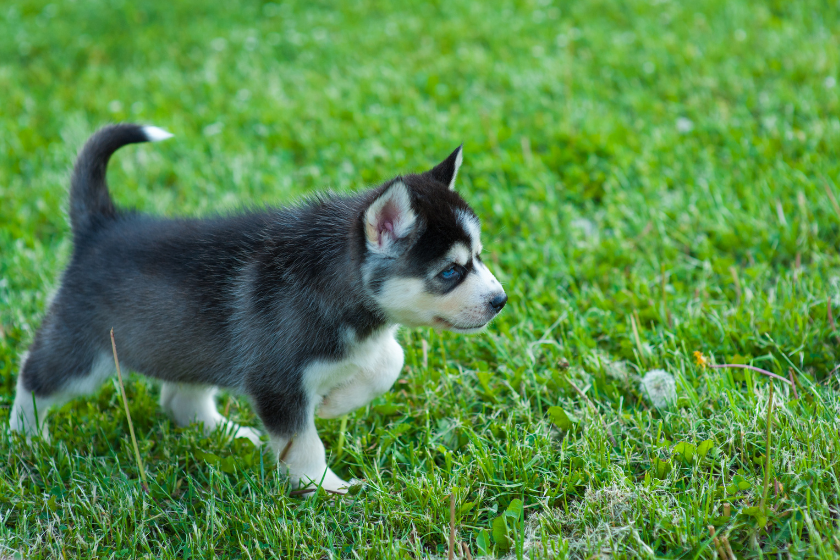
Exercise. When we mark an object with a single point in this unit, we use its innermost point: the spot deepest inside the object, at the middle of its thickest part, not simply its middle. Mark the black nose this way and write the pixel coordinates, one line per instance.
(498, 302)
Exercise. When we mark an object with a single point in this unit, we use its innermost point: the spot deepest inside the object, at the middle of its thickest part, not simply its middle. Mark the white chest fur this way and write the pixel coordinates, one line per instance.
(369, 370)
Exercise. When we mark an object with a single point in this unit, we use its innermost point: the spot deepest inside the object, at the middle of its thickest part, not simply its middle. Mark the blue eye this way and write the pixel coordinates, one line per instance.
(450, 273)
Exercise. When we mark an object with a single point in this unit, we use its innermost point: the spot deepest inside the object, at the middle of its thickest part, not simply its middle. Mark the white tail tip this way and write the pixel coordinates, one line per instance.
(155, 134)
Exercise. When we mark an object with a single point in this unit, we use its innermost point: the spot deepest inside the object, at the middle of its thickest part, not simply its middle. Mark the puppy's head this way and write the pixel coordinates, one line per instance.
(423, 253)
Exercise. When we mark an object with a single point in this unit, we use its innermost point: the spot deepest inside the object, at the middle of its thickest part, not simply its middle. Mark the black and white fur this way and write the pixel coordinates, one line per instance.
(296, 308)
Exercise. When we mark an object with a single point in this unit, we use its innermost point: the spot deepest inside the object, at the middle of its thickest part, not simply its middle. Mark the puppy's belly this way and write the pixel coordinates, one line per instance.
(162, 329)
(183, 349)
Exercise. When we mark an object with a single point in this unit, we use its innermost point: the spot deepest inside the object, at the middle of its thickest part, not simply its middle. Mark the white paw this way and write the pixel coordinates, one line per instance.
(333, 483)
(248, 433)
(30, 428)
(30, 432)
(307, 486)
(234, 431)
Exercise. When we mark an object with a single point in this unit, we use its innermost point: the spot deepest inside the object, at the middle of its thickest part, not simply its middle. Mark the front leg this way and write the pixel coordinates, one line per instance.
(377, 373)
(290, 421)
(305, 462)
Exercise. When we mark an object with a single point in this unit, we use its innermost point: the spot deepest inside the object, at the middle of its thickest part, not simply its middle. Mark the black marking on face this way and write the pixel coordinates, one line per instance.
(443, 283)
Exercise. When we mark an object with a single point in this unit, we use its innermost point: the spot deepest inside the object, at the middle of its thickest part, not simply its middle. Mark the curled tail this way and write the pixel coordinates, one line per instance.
(89, 198)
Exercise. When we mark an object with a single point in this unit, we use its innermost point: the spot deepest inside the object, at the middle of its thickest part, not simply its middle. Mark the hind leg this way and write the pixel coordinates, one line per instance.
(48, 379)
(29, 412)
(186, 403)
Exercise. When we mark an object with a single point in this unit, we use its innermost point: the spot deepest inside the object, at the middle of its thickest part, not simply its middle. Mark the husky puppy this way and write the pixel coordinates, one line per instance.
(296, 308)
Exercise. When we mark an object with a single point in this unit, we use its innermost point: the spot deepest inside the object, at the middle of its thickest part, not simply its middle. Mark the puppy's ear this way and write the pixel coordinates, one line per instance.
(389, 217)
(446, 171)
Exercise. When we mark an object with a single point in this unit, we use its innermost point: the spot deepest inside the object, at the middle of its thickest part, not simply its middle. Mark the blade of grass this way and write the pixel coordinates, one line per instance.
(832, 198)
(339, 447)
(767, 460)
(638, 340)
(759, 370)
(128, 416)
(452, 525)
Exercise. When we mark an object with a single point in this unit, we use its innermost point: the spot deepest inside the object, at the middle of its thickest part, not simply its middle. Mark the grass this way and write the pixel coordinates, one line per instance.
(654, 178)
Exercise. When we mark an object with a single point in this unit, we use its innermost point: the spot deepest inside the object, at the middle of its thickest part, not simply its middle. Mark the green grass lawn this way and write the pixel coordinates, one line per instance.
(654, 179)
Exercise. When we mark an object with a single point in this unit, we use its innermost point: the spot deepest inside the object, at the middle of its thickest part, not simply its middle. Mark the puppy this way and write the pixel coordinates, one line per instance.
(296, 308)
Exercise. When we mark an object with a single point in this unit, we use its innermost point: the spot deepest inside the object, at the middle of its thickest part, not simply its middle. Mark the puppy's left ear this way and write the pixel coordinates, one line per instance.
(446, 171)
(389, 218)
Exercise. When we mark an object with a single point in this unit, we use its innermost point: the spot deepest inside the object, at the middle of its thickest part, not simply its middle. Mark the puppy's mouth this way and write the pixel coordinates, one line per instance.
(442, 323)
